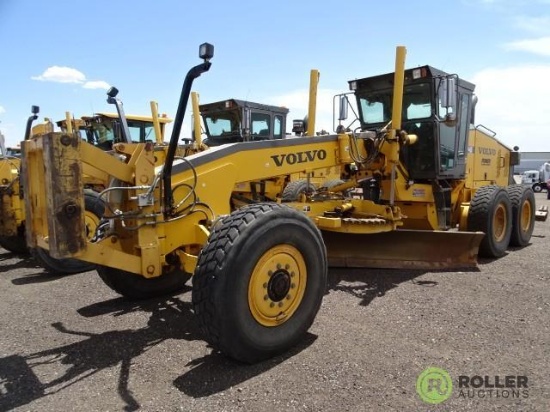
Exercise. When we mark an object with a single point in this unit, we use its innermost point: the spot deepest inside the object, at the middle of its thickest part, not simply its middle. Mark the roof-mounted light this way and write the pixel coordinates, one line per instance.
(353, 85)
(419, 73)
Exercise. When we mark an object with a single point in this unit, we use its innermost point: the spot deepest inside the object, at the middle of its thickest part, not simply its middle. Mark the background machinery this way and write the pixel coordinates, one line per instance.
(12, 217)
(260, 266)
(235, 121)
(454, 175)
(100, 130)
(537, 178)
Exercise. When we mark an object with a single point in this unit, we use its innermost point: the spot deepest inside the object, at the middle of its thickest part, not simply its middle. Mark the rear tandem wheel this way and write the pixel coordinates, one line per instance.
(259, 281)
(523, 214)
(491, 212)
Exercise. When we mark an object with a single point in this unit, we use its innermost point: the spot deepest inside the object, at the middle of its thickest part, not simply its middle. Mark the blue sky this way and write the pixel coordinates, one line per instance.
(61, 55)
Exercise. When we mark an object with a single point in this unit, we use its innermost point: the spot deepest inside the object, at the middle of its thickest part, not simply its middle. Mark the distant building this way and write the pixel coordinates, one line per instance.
(531, 161)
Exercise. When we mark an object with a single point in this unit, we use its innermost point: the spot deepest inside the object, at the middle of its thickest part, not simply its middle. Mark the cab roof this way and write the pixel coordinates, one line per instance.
(385, 81)
(129, 117)
(233, 103)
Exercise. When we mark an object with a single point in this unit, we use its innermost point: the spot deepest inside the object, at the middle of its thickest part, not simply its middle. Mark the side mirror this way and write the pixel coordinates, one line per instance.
(2, 145)
(448, 99)
(112, 99)
(246, 126)
(343, 108)
(117, 131)
(35, 109)
(447, 92)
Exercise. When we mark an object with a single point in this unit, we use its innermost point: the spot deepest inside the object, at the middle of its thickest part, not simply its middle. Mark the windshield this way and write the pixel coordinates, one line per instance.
(221, 124)
(105, 132)
(376, 106)
(141, 131)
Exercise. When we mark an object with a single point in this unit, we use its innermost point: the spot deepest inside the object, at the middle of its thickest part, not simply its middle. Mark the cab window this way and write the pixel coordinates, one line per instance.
(260, 124)
(278, 127)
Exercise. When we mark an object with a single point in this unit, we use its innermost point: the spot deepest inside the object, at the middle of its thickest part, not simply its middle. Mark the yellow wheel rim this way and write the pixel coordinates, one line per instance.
(525, 218)
(277, 285)
(500, 221)
(90, 223)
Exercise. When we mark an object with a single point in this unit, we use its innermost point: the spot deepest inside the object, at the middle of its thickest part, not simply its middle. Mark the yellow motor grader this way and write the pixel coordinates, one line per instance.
(100, 130)
(235, 121)
(12, 230)
(260, 269)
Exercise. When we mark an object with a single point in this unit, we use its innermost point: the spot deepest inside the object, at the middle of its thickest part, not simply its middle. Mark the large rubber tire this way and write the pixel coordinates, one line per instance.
(491, 212)
(522, 199)
(17, 243)
(94, 210)
(293, 190)
(260, 281)
(136, 287)
(14, 244)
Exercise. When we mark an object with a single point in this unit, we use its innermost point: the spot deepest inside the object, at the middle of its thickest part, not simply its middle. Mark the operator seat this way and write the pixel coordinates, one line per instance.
(420, 156)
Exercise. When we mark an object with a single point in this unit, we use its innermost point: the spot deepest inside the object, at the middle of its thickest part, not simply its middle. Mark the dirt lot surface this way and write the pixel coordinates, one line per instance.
(69, 343)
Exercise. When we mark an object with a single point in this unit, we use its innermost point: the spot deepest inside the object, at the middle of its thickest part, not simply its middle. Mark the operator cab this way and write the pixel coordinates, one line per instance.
(104, 129)
(233, 121)
(437, 107)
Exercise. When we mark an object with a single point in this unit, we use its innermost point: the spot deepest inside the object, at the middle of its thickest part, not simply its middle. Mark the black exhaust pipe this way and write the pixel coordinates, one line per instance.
(34, 110)
(206, 52)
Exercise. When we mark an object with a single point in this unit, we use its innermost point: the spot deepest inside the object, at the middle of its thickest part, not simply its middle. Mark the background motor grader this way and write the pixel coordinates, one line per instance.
(451, 175)
(99, 130)
(234, 120)
(260, 270)
(12, 213)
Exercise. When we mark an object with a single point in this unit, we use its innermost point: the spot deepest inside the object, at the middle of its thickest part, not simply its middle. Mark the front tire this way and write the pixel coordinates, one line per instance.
(17, 243)
(522, 199)
(491, 212)
(259, 281)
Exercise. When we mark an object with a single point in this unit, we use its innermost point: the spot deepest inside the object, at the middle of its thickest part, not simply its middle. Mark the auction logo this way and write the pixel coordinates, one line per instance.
(434, 385)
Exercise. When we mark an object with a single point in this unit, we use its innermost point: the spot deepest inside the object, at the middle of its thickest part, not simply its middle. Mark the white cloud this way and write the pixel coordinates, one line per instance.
(2, 110)
(61, 74)
(540, 46)
(539, 25)
(97, 84)
(513, 103)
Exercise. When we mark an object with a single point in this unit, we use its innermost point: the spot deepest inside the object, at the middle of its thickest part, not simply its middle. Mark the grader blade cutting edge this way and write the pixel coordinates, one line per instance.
(404, 249)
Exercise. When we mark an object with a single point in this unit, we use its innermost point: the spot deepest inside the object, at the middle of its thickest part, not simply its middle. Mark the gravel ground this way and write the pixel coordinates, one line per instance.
(69, 343)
